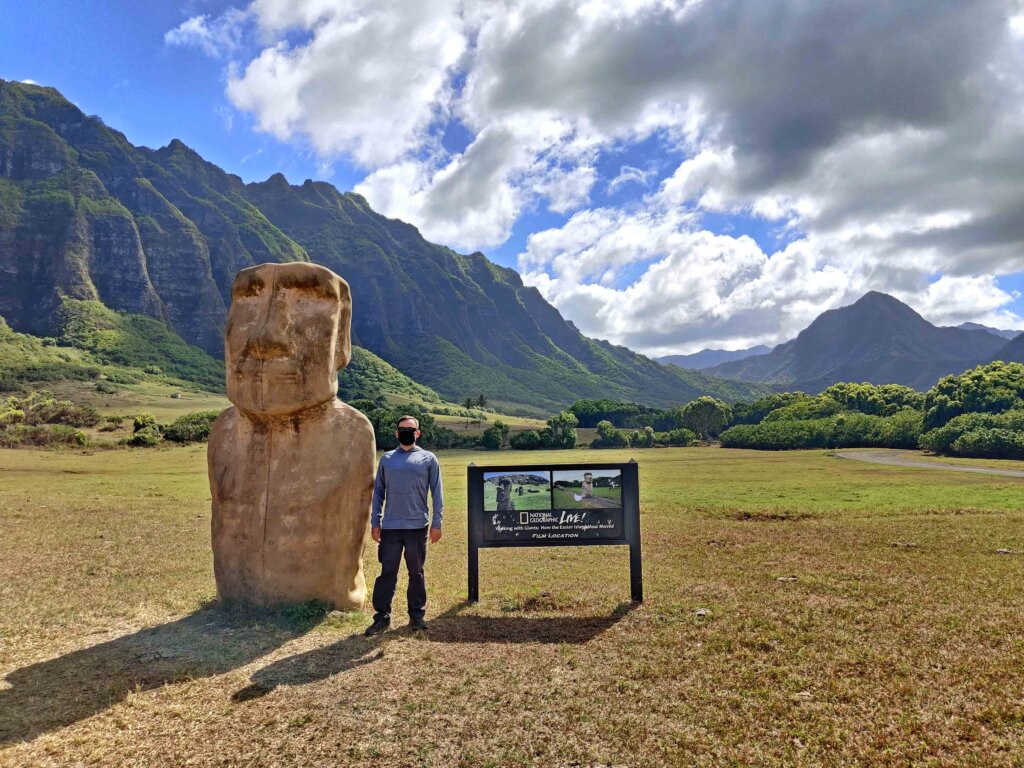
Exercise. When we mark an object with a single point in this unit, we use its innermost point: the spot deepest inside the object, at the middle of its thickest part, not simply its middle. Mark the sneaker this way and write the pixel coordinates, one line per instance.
(378, 626)
(417, 625)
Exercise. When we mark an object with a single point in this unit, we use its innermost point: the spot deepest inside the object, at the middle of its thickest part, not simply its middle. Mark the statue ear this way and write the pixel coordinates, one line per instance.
(343, 348)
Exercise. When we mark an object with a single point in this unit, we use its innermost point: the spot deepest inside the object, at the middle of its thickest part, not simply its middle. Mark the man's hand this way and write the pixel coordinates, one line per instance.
(435, 535)
(375, 534)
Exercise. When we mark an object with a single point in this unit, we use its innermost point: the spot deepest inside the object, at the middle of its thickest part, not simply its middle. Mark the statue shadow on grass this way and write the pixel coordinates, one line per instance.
(452, 626)
(217, 639)
(214, 640)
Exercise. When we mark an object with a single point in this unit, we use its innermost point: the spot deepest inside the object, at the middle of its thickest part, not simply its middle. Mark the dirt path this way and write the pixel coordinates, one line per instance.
(897, 458)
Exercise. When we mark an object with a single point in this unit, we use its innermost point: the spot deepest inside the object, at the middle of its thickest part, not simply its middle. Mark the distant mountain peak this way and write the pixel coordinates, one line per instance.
(709, 358)
(1002, 333)
(878, 301)
(878, 339)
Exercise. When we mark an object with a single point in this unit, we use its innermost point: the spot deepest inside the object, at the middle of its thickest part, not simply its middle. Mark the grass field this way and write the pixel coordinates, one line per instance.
(564, 498)
(132, 399)
(801, 610)
(464, 426)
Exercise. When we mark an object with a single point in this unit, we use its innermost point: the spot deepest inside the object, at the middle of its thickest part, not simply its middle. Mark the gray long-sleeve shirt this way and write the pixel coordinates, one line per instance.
(403, 478)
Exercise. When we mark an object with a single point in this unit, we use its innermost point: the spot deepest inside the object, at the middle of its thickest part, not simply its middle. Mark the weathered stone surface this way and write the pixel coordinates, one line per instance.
(291, 466)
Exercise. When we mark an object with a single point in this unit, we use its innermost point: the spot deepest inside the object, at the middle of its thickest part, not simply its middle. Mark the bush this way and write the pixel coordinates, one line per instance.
(526, 441)
(608, 436)
(968, 435)
(706, 416)
(42, 436)
(192, 427)
(992, 388)
(848, 429)
(145, 432)
(755, 412)
(41, 408)
(642, 438)
(561, 431)
(620, 414)
(679, 436)
(990, 444)
(495, 437)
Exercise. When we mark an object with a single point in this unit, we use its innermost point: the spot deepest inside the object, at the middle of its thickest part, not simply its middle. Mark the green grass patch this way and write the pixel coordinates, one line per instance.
(801, 610)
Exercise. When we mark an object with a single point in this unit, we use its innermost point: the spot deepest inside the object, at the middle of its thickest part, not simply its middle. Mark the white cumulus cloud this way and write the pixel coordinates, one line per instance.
(218, 36)
(881, 141)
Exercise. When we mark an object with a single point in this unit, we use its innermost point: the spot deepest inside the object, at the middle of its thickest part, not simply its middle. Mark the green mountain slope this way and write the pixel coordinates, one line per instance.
(84, 215)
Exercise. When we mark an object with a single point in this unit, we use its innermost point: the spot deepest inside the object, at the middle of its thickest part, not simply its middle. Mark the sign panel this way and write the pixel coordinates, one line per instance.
(554, 505)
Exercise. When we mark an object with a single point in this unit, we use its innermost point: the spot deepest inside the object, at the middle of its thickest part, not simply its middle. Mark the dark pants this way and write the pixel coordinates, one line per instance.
(389, 553)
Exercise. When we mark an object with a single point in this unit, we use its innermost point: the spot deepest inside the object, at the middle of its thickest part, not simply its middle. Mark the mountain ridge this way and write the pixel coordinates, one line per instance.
(86, 215)
(709, 358)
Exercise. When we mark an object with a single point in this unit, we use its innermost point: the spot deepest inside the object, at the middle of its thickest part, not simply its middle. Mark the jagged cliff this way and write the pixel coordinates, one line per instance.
(86, 215)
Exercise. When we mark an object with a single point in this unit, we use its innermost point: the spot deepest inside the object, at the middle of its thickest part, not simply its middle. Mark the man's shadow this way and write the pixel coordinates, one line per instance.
(214, 640)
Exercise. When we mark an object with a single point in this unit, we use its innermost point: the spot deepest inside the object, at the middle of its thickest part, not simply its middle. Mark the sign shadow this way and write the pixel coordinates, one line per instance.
(454, 626)
(213, 640)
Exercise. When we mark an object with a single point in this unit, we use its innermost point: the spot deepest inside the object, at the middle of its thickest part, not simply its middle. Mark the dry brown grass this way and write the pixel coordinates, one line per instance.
(801, 611)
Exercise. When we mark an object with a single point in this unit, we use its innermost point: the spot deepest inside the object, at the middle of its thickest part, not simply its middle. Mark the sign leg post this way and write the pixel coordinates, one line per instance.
(636, 577)
(474, 478)
(474, 573)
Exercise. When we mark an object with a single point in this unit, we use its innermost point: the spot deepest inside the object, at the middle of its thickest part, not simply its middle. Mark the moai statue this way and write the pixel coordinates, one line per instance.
(291, 466)
(588, 485)
(505, 502)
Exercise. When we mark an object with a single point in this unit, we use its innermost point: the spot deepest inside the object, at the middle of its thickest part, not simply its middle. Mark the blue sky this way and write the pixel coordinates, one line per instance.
(616, 155)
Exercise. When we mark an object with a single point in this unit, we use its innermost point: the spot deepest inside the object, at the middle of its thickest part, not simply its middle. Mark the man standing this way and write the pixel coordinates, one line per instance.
(400, 521)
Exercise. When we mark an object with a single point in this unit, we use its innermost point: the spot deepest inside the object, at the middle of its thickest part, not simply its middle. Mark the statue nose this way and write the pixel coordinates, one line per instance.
(271, 339)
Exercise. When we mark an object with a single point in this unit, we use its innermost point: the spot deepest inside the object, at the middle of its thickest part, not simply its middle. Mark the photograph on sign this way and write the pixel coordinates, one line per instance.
(587, 489)
(516, 491)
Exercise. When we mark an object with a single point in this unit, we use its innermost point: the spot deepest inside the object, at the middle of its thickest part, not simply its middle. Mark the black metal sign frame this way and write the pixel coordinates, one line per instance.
(479, 538)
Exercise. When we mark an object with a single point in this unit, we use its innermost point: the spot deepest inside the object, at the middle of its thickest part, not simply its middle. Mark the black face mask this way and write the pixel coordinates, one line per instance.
(406, 436)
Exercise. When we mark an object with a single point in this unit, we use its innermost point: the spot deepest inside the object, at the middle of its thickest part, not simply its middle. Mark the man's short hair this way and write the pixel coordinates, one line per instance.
(409, 418)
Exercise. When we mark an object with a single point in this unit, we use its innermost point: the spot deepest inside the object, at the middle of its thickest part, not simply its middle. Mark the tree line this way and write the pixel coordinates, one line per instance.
(978, 413)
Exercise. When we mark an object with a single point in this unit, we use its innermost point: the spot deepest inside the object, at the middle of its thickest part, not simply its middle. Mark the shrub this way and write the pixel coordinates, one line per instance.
(992, 388)
(706, 416)
(192, 427)
(561, 431)
(679, 436)
(642, 438)
(145, 432)
(42, 436)
(526, 441)
(756, 411)
(848, 429)
(41, 408)
(990, 444)
(608, 436)
(112, 423)
(495, 437)
(947, 439)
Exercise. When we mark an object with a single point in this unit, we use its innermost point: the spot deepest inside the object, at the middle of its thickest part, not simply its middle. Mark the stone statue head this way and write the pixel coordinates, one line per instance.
(287, 337)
